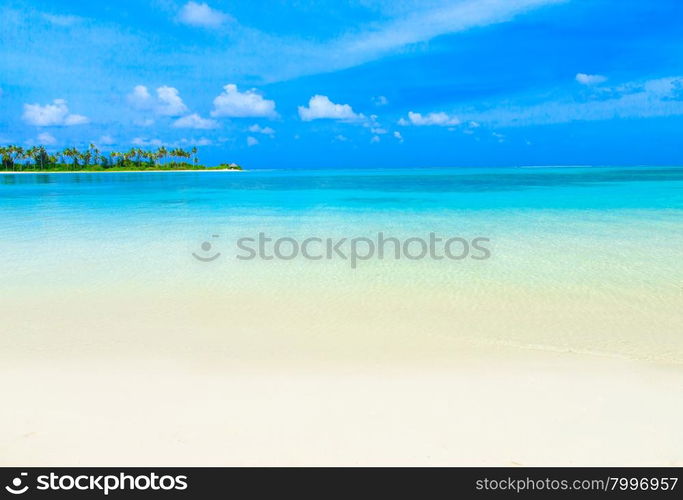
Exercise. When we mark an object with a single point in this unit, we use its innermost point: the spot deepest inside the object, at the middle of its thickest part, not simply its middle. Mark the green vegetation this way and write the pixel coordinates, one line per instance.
(37, 158)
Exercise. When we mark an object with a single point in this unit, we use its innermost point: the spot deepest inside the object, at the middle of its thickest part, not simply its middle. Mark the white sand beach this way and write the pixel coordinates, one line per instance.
(527, 409)
(141, 384)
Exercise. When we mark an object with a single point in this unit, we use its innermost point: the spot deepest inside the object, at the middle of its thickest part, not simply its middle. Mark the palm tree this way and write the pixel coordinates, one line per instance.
(16, 153)
(128, 155)
(43, 157)
(181, 153)
(87, 156)
(162, 152)
(6, 155)
(94, 153)
(149, 156)
(84, 156)
(194, 155)
(32, 153)
(19, 155)
(39, 156)
(137, 154)
(73, 154)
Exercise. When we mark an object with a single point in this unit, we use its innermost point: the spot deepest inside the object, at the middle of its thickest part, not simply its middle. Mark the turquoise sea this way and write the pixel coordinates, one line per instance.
(582, 258)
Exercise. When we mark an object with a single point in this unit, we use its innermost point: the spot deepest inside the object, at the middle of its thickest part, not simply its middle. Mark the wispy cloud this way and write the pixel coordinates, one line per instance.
(251, 49)
(62, 20)
(195, 121)
(651, 98)
(585, 79)
(440, 119)
(202, 141)
(416, 24)
(257, 129)
(424, 24)
(141, 141)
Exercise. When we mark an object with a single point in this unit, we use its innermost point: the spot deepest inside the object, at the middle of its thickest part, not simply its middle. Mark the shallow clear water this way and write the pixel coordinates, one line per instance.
(593, 253)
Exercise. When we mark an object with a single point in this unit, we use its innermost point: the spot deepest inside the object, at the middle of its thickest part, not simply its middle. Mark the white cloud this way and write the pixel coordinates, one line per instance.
(341, 138)
(47, 139)
(320, 107)
(252, 141)
(375, 138)
(440, 119)
(379, 131)
(257, 129)
(170, 103)
(233, 103)
(380, 100)
(585, 79)
(200, 14)
(184, 142)
(56, 113)
(140, 98)
(139, 141)
(75, 120)
(398, 136)
(202, 141)
(195, 121)
(167, 102)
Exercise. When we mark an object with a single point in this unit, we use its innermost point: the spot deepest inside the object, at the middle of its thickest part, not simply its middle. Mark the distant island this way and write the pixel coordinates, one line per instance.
(38, 159)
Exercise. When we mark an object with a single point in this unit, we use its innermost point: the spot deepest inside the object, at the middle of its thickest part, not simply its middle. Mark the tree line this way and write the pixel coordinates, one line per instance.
(17, 158)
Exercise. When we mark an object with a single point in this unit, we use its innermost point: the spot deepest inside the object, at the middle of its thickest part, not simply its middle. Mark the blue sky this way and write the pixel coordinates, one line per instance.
(365, 83)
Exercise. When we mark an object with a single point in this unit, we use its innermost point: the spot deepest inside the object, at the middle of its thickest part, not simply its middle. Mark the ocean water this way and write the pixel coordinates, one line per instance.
(583, 259)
